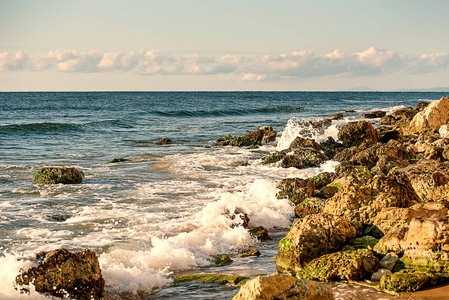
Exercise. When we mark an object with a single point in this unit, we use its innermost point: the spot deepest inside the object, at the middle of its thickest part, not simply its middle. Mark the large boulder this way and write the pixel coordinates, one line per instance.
(55, 175)
(300, 142)
(311, 237)
(431, 118)
(296, 189)
(355, 133)
(64, 274)
(410, 280)
(421, 238)
(342, 265)
(276, 286)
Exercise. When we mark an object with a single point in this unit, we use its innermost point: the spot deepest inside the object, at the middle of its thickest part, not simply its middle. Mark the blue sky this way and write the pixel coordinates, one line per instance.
(223, 45)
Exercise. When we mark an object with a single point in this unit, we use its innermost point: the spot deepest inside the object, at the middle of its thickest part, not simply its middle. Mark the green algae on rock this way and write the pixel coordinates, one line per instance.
(223, 260)
(210, 278)
(55, 175)
(250, 252)
(260, 233)
(342, 265)
(408, 281)
(364, 242)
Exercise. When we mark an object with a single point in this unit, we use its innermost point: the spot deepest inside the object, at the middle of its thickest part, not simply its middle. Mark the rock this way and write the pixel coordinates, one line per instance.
(374, 114)
(296, 189)
(379, 274)
(303, 158)
(260, 233)
(165, 141)
(408, 281)
(364, 242)
(243, 219)
(400, 119)
(421, 106)
(389, 135)
(349, 111)
(431, 118)
(210, 278)
(323, 179)
(254, 138)
(420, 238)
(55, 175)
(309, 206)
(311, 237)
(300, 142)
(346, 154)
(280, 287)
(63, 274)
(429, 179)
(273, 157)
(223, 260)
(358, 132)
(342, 265)
(328, 191)
(394, 218)
(59, 218)
(347, 174)
(389, 261)
(251, 252)
(116, 160)
(444, 131)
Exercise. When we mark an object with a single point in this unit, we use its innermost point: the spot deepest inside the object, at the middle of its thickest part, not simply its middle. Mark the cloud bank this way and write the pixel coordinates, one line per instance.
(304, 64)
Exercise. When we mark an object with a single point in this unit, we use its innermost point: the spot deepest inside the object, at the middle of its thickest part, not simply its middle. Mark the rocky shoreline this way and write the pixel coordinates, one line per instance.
(381, 218)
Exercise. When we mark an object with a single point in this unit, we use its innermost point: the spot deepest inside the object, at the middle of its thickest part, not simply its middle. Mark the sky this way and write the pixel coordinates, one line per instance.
(172, 45)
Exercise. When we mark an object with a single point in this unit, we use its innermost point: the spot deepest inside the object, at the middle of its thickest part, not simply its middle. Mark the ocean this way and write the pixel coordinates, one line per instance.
(164, 210)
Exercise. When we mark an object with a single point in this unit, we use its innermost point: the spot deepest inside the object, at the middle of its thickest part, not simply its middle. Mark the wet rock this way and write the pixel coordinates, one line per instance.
(260, 233)
(296, 189)
(303, 158)
(431, 118)
(309, 206)
(421, 106)
(251, 252)
(311, 237)
(342, 265)
(323, 179)
(165, 141)
(257, 137)
(389, 261)
(223, 260)
(273, 157)
(63, 274)
(379, 274)
(280, 287)
(242, 220)
(350, 111)
(300, 142)
(55, 175)
(374, 114)
(59, 218)
(210, 278)
(116, 160)
(358, 132)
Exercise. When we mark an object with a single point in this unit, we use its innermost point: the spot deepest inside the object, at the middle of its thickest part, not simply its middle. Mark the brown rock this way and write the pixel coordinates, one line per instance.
(358, 132)
(431, 118)
(296, 189)
(374, 114)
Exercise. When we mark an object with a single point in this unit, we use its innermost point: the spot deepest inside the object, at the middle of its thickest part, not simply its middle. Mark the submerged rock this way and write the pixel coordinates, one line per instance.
(311, 237)
(343, 265)
(55, 175)
(63, 274)
(260, 233)
(165, 141)
(210, 278)
(280, 287)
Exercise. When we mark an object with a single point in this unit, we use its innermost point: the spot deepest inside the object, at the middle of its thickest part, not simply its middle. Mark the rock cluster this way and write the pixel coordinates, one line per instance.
(263, 135)
(383, 214)
(55, 175)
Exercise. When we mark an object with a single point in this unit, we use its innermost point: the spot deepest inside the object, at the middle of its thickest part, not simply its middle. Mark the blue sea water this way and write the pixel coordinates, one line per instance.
(166, 209)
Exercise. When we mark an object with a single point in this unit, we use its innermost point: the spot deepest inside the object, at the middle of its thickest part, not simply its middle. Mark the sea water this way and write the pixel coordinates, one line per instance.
(165, 210)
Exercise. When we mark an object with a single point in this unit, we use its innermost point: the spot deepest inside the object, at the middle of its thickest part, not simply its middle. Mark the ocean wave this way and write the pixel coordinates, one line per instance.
(230, 112)
(40, 127)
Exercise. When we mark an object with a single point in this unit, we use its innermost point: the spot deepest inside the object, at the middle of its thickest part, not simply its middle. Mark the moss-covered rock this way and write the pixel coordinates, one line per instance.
(408, 281)
(342, 265)
(116, 160)
(223, 260)
(296, 189)
(364, 242)
(210, 278)
(251, 252)
(311, 237)
(55, 175)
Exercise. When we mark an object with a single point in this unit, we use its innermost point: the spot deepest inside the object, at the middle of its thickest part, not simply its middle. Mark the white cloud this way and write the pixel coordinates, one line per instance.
(303, 64)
